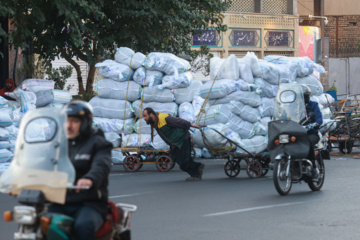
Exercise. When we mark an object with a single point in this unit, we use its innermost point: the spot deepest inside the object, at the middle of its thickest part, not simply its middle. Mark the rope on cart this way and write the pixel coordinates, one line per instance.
(216, 151)
(126, 97)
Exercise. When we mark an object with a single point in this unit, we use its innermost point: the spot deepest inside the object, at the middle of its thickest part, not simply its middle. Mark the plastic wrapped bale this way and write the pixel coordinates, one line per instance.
(245, 71)
(136, 140)
(197, 152)
(166, 62)
(61, 96)
(245, 112)
(137, 59)
(254, 145)
(218, 89)
(3, 102)
(252, 60)
(314, 84)
(205, 153)
(270, 73)
(327, 126)
(35, 85)
(159, 144)
(244, 86)
(114, 138)
(324, 100)
(224, 68)
(16, 116)
(108, 88)
(140, 76)
(13, 132)
(187, 94)
(252, 99)
(212, 137)
(4, 134)
(55, 105)
(4, 167)
(148, 77)
(5, 119)
(117, 157)
(26, 98)
(267, 90)
(115, 71)
(277, 74)
(267, 107)
(144, 128)
(5, 144)
(151, 94)
(124, 55)
(176, 81)
(186, 111)
(325, 112)
(111, 108)
(43, 98)
(197, 104)
(170, 108)
(260, 129)
(114, 125)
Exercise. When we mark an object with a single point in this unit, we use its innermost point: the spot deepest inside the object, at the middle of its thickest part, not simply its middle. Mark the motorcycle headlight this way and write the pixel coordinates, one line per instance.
(284, 138)
(24, 215)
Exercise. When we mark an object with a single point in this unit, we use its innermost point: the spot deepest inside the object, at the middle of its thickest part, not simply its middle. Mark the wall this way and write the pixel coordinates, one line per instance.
(305, 7)
(342, 7)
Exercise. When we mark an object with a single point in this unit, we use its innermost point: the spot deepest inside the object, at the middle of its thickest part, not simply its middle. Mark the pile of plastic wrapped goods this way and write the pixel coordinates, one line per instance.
(240, 97)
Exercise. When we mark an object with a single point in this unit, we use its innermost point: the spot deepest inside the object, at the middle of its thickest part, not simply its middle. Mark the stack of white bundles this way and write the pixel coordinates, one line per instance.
(267, 107)
(5, 119)
(245, 71)
(108, 88)
(276, 74)
(167, 63)
(211, 136)
(148, 77)
(136, 140)
(158, 143)
(252, 99)
(313, 83)
(169, 107)
(197, 104)
(35, 85)
(186, 111)
(142, 127)
(180, 80)
(187, 94)
(115, 71)
(219, 89)
(151, 94)
(224, 68)
(13, 132)
(43, 98)
(117, 157)
(254, 145)
(324, 99)
(245, 112)
(128, 57)
(252, 60)
(114, 138)
(111, 108)
(267, 90)
(61, 96)
(114, 125)
(27, 99)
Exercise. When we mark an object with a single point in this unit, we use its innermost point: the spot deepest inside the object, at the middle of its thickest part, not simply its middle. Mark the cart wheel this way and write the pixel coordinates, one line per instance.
(132, 163)
(164, 163)
(254, 169)
(232, 168)
(345, 147)
(265, 166)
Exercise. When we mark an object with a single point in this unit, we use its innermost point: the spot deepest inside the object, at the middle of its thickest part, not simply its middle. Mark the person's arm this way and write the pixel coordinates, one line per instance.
(181, 123)
(318, 114)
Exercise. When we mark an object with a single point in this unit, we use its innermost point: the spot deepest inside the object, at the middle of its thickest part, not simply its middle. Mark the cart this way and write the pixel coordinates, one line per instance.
(257, 165)
(136, 157)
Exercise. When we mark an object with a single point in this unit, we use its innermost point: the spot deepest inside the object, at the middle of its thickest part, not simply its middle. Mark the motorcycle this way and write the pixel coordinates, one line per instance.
(289, 145)
(41, 173)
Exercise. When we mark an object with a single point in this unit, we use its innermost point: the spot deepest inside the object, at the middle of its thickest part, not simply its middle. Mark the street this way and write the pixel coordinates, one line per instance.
(218, 207)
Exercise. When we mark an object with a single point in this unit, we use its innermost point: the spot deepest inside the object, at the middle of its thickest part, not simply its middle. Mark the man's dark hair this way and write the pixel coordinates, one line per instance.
(150, 110)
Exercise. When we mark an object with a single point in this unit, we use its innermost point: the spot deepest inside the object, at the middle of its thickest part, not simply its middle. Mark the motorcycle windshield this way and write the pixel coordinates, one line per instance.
(41, 154)
(289, 103)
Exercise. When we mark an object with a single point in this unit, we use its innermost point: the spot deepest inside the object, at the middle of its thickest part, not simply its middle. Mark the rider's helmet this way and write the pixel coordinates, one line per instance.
(306, 92)
(82, 110)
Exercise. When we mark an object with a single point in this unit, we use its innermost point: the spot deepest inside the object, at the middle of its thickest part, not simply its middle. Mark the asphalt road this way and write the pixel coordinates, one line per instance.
(218, 207)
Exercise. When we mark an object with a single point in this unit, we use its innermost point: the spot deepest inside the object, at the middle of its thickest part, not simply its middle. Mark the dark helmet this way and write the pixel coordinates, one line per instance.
(306, 92)
(82, 110)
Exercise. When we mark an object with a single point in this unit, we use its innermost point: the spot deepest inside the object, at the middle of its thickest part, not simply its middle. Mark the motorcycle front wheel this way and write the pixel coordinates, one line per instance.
(282, 182)
(316, 184)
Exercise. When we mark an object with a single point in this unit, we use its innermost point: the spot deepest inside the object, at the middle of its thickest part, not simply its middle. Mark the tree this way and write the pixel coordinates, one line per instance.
(91, 30)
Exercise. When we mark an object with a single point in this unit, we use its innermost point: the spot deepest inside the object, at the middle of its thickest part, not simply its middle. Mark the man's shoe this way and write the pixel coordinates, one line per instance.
(315, 173)
(193, 179)
(201, 169)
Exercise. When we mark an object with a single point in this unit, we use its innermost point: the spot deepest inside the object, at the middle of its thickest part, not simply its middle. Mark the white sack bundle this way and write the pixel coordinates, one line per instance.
(159, 144)
(115, 71)
(212, 137)
(5, 144)
(3, 102)
(4, 134)
(186, 111)
(108, 88)
(252, 60)
(197, 104)
(55, 105)
(176, 81)
(148, 77)
(170, 108)
(35, 85)
(117, 157)
(218, 89)
(245, 71)
(245, 112)
(324, 99)
(267, 107)
(152, 94)
(325, 112)
(254, 145)
(136, 140)
(27, 99)
(277, 74)
(224, 68)
(5, 119)
(114, 138)
(267, 90)
(111, 108)
(128, 57)
(43, 98)
(144, 128)
(5, 155)
(328, 125)
(315, 85)
(187, 94)
(61, 96)
(13, 132)
(166, 62)
(248, 98)
(114, 125)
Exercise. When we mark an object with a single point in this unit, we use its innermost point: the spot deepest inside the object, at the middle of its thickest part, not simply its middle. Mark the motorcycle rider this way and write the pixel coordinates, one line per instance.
(90, 154)
(313, 127)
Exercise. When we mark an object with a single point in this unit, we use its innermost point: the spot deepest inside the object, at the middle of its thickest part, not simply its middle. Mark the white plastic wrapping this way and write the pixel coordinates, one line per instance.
(187, 94)
(170, 108)
(35, 85)
(43, 98)
(111, 108)
(159, 144)
(224, 68)
(152, 94)
(108, 88)
(166, 62)
(218, 89)
(61, 96)
(117, 157)
(245, 71)
(176, 81)
(252, 60)
(314, 84)
(114, 138)
(115, 71)
(114, 125)
(245, 112)
(248, 98)
(186, 111)
(136, 140)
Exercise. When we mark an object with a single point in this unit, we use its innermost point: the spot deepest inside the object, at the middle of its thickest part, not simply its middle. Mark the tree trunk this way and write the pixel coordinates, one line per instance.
(78, 73)
(90, 79)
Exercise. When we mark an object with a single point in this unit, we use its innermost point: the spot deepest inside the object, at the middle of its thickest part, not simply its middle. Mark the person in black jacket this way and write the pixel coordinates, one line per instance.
(90, 154)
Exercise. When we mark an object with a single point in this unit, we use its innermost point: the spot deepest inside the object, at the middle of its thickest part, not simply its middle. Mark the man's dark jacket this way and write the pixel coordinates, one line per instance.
(91, 157)
(312, 106)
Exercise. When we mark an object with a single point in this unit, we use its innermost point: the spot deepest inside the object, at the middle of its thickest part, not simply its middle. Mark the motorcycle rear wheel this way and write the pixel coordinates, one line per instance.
(316, 185)
(282, 183)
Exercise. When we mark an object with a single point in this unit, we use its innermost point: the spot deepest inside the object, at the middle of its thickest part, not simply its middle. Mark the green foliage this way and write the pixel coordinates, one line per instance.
(59, 76)
(89, 30)
(333, 87)
(85, 96)
(31, 68)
